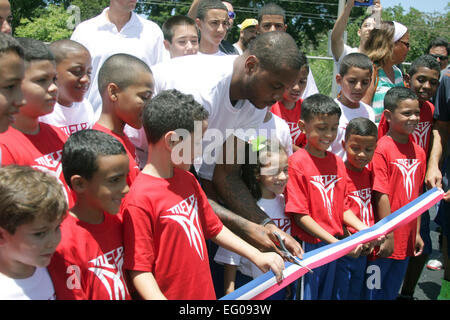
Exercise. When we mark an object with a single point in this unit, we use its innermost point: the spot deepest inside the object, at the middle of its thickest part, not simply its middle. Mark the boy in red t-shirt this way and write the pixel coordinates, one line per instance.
(28, 141)
(167, 215)
(290, 106)
(423, 77)
(399, 166)
(316, 190)
(423, 80)
(125, 84)
(87, 264)
(359, 144)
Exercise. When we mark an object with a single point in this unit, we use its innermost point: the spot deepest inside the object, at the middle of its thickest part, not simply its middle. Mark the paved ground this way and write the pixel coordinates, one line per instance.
(429, 283)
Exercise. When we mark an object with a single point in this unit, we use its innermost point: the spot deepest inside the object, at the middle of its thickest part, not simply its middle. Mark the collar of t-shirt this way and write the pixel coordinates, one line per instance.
(104, 21)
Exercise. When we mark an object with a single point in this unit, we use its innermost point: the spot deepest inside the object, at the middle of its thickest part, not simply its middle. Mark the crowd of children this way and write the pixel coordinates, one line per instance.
(108, 203)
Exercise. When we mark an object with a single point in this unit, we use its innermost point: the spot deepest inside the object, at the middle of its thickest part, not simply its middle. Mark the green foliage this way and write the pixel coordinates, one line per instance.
(50, 25)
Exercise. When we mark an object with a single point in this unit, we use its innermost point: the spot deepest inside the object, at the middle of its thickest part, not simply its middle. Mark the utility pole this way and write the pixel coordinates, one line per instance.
(334, 87)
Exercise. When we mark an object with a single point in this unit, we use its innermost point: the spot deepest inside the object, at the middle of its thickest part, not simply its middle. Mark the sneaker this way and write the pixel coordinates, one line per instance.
(434, 265)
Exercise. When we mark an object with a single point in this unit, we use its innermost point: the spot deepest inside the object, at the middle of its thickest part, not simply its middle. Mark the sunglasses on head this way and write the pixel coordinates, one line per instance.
(438, 56)
(231, 14)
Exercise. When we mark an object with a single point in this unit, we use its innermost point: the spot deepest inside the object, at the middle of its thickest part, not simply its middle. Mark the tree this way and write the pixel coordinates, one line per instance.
(51, 25)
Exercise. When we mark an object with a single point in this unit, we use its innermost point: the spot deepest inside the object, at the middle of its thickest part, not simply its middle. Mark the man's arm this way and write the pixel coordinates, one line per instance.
(234, 193)
(439, 136)
(192, 13)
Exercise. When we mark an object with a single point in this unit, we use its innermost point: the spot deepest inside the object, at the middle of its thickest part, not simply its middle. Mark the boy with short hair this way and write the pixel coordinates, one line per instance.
(167, 215)
(423, 79)
(180, 36)
(72, 111)
(359, 144)
(125, 84)
(354, 78)
(11, 75)
(315, 191)
(32, 206)
(87, 265)
(213, 22)
(29, 141)
(290, 105)
(399, 166)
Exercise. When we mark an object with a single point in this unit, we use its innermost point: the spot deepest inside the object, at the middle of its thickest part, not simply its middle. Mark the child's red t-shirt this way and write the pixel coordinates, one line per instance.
(87, 264)
(42, 151)
(291, 117)
(316, 187)
(166, 222)
(359, 198)
(399, 171)
(422, 133)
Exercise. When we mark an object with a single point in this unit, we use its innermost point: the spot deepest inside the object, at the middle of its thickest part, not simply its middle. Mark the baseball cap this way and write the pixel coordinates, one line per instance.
(248, 23)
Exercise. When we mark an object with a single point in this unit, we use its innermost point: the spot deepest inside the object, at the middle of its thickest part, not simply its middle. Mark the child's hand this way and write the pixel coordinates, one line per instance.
(418, 248)
(355, 253)
(387, 247)
(271, 261)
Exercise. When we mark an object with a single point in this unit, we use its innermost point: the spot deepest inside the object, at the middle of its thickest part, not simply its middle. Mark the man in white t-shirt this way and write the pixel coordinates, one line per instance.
(236, 91)
(249, 30)
(118, 30)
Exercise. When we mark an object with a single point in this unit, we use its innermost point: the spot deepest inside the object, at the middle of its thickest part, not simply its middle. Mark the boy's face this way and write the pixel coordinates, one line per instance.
(265, 87)
(271, 22)
(404, 119)
(359, 150)
(354, 85)
(32, 244)
(424, 83)
(184, 41)
(214, 26)
(295, 93)
(320, 133)
(39, 88)
(185, 151)
(132, 99)
(74, 77)
(5, 17)
(11, 98)
(105, 190)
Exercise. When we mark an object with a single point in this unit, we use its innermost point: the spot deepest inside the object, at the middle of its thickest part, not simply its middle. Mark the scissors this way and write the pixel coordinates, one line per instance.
(288, 255)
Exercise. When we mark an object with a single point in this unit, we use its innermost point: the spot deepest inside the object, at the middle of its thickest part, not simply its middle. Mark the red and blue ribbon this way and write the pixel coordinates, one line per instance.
(266, 285)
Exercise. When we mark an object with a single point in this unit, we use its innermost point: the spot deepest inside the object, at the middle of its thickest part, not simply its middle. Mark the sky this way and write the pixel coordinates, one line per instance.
(428, 6)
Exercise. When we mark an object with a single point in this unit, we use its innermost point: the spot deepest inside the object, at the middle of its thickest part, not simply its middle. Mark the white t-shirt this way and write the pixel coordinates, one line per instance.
(347, 50)
(311, 87)
(275, 210)
(71, 119)
(37, 287)
(139, 37)
(208, 79)
(217, 54)
(348, 114)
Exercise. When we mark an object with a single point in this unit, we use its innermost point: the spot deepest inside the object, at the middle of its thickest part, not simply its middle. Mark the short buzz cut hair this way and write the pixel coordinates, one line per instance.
(361, 127)
(61, 48)
(355, 60)
(35, 50)
(275, 50)
(82, 149)
(425, 61)
(271, 9)
(171, 110)
(169, 25)
(206, 5)
(8, 43)
(120, 69)
(396, 95)
(319, 104)
(27, 194)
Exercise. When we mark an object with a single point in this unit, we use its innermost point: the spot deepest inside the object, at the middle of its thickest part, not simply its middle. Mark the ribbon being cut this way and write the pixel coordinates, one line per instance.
(266, 285)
